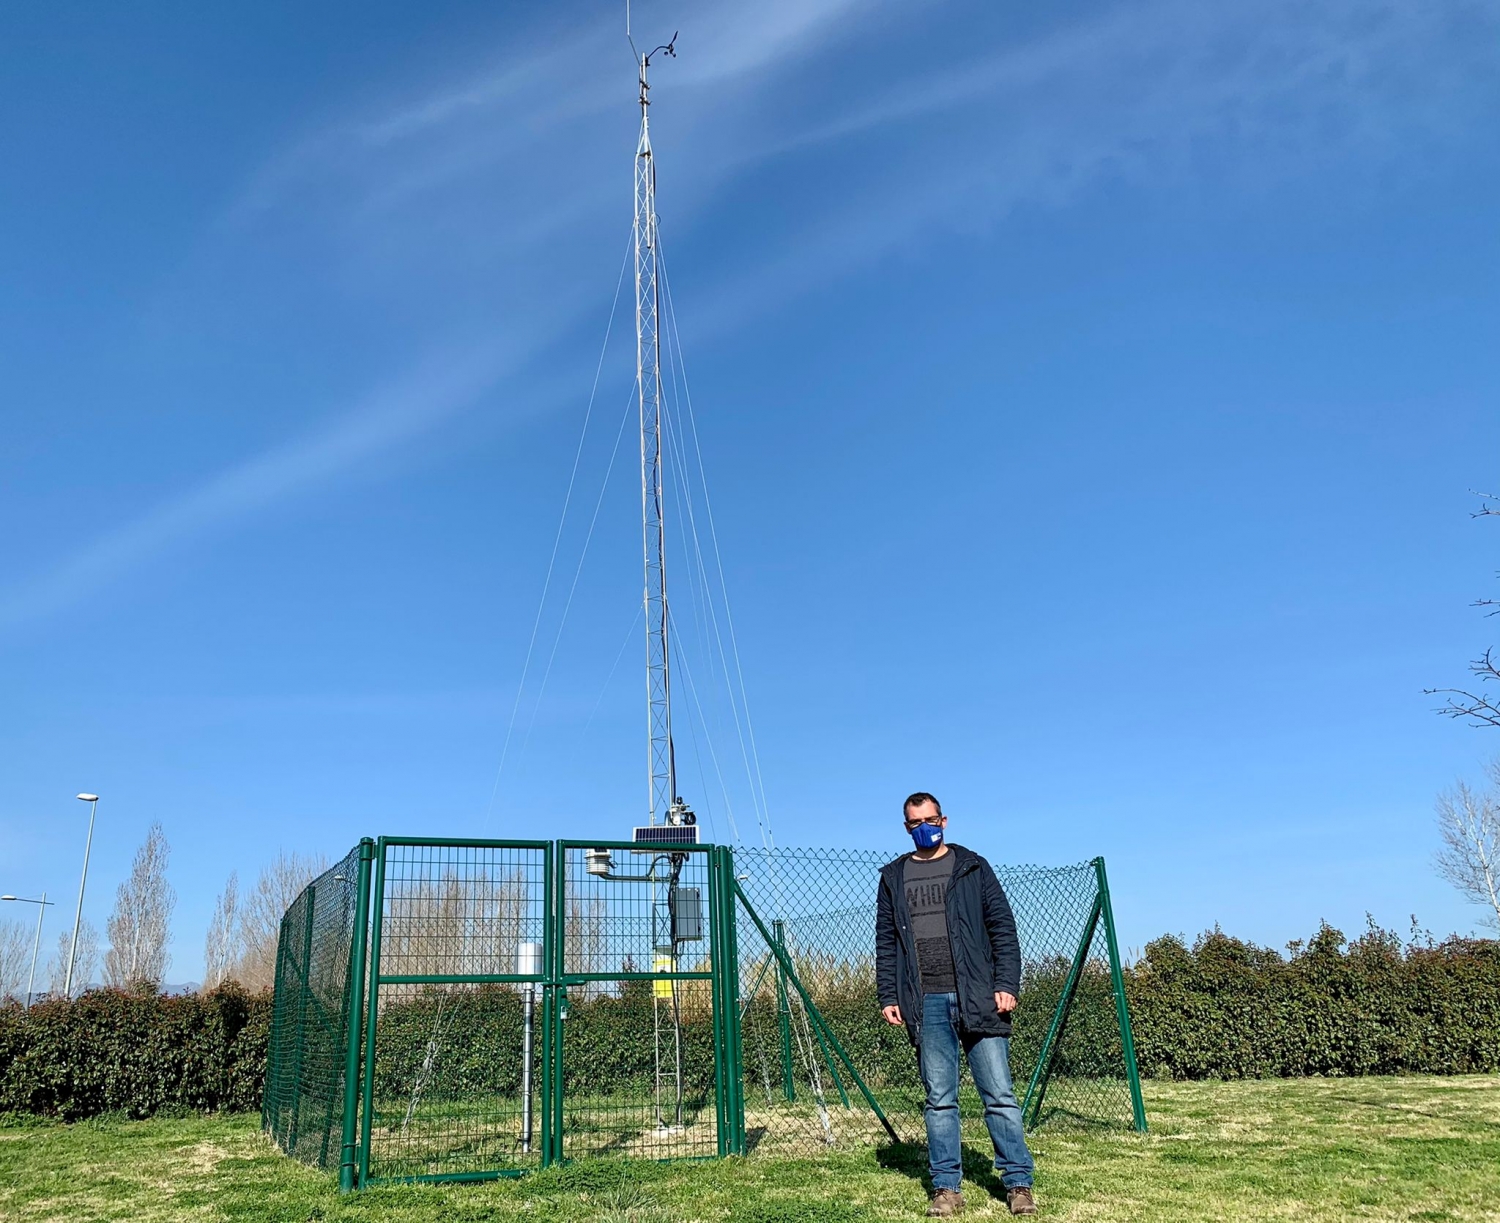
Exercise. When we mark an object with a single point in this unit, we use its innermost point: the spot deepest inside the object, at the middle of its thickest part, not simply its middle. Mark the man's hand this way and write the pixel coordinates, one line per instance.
(893, 1014)
(1005, 1003)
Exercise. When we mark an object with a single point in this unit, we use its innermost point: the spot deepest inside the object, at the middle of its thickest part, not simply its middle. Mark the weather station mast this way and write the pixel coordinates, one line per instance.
(666, 808)
(676, 912)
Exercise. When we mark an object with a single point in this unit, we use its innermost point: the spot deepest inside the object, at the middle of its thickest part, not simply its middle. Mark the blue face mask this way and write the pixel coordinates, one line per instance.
(927, 836)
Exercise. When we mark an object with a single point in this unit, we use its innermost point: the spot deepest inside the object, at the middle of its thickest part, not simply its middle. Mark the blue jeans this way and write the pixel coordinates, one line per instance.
(989, 1063)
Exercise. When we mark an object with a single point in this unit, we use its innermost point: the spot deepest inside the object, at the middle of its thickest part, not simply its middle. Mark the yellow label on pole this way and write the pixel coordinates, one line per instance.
(663, 989)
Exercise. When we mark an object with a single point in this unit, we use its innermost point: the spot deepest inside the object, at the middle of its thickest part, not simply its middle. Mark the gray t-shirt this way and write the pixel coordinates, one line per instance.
(926, 885)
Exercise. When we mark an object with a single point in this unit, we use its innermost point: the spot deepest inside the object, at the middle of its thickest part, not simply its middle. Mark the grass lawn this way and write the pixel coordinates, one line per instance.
(1322, 1149)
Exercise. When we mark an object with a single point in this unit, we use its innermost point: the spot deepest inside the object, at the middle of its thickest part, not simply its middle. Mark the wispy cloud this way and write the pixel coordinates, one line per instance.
(545, 99)
(1155, 93)
(397, 413)
(367, 167)
(474, 183)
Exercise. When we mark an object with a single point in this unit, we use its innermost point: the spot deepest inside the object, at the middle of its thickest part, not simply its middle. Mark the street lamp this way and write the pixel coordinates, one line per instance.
(41, 912)
(93, 801)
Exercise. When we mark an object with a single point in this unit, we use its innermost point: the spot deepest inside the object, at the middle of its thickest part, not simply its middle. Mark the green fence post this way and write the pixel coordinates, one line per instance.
(311, 893)
(717, 965)
(732, 1006)
(544, 1112)
(784, 1014)
(270, 1097)
(1042, 1071)
(1122, 1011)
(348, 1160)
(815, 1015)
(372, 1014)
(553, 941)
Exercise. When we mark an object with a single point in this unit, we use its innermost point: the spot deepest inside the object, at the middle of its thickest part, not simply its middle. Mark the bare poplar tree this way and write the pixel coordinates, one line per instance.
(259, 922)
(85, 965)
(1469, 823)
(221, 946)
(15, 959)
(140, 926)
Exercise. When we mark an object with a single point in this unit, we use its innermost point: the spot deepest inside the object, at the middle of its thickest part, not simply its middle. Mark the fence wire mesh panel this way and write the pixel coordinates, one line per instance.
(638, 1027)
(820, 905)
(303, 1106)
(1085, 1080)
(482, 1008)
(803, 1090)
(460, 951)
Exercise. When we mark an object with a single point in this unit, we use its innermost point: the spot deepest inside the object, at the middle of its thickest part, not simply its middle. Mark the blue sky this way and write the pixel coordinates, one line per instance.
(1090, 400)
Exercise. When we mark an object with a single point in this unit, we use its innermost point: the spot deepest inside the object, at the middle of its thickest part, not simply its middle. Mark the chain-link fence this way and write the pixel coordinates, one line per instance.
(471, 1009)
(819, 905)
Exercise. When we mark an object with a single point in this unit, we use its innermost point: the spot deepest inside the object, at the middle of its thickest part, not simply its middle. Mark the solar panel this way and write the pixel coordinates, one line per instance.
(666, 834)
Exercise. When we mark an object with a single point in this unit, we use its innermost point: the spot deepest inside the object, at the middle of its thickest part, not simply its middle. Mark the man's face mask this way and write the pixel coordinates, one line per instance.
(926, 836)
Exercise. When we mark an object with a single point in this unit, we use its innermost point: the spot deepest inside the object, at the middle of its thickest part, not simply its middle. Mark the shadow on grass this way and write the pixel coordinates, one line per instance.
(1388, 1106)
(910, 1159)
(1065, 1119)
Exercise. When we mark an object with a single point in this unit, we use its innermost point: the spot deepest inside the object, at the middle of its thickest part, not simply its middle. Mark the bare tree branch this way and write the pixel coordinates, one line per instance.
(1473, 707)
(1480, 710)
(86, 964)
(15, 955)
(258, 925)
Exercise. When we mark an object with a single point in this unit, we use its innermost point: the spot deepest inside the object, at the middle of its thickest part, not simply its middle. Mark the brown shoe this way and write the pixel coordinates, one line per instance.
(1020, 1200)
(945, 1204)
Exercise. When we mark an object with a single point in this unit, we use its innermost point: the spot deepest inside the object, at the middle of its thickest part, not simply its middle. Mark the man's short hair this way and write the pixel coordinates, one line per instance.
(917, 799)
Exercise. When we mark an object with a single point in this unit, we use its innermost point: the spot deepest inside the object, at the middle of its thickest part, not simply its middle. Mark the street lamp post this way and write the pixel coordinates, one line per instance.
(93, 801)
(41, 912)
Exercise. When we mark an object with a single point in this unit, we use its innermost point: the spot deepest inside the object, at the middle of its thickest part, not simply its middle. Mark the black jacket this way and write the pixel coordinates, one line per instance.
(982, 930)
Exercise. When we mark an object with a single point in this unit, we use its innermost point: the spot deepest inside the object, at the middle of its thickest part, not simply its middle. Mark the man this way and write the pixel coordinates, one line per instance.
(948, 967)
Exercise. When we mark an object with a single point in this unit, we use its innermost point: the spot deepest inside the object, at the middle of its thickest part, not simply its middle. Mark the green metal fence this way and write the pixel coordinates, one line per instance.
(468, 1009)
(309, 1094)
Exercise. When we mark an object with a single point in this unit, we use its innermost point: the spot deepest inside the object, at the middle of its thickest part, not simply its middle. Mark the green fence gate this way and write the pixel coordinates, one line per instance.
(452, 1009)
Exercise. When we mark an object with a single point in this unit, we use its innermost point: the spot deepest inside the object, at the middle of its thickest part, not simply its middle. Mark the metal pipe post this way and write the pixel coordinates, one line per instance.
(732, 1004)
(36, 945)
(528, 963)
(719, 963)
(349, 1150)
(1122, 1010)
(372, 1014)
(78, 916)
(528, 1006)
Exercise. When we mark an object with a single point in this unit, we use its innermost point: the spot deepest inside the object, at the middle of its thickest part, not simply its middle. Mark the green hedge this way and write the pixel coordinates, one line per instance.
(1221, 1008)
(109, 1051)
(1225, 1009)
